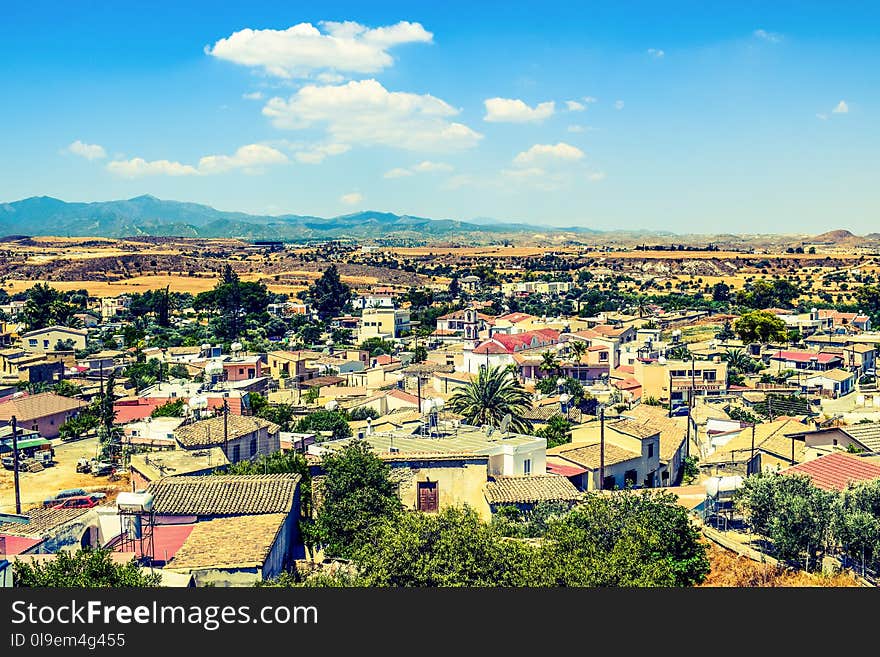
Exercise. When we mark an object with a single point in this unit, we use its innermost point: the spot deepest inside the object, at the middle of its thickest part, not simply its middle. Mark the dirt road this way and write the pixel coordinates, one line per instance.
(37, 486)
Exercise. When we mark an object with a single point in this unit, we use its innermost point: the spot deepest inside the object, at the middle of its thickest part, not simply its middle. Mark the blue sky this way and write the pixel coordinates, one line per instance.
(688, 117)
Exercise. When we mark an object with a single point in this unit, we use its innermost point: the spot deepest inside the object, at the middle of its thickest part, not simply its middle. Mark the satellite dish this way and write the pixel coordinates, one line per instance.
(235, 346)
(213, 368)
(331, 405)
(505, 423)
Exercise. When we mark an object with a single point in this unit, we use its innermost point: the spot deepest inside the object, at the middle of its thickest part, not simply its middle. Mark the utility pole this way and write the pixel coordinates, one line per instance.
(752, 457)
(419, 390)
(225, 425)
(602, 447)
(15, 466)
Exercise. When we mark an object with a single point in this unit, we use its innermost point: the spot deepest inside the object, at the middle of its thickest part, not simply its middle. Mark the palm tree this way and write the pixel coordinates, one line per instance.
(738, 360)
(578, 348)
(549, 362)
(492, 395)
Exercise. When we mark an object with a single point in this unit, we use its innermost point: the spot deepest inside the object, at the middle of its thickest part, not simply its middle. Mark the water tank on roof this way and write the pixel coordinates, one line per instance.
(235, 346)
(135, 502)
(213, 368)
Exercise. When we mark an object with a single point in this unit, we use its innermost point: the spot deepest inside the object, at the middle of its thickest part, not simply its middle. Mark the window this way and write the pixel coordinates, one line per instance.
(32, 342)
(428, 496)
(610, 483)
(236, 453)
(650, 450)
(45, 344)
(527, 466)
(709, 375)
(253, 446)
(603, 355)
(241, 370)
(135, 433)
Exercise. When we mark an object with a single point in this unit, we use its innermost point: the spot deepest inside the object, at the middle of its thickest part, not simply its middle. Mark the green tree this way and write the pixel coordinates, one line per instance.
(67, 389)
(109, 434)
(578, 348)
(549, 363)
(328, 295)
(324, 420)
(82, 569)
(169, 409)
(726, 332)
(377, 346)
(38, 309)
(450, 548)
(721, 292)
(356, 495)
(790, 512)
(760, 326)
(557, 431)
(281, 414)
(856, 523)
(490, 396)
(632, 539)
(420, 354)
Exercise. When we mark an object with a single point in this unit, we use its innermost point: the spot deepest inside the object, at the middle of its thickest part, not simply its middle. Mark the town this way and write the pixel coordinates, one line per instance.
(231, 413)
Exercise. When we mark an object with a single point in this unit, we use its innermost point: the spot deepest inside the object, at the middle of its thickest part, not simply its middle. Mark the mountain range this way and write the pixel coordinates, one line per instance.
(150, 216)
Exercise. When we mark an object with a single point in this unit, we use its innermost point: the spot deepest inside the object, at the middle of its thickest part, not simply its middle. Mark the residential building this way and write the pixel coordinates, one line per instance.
(831, 383)
(674, 446)
(114, 306)
(152, 432)
(581, 463)
(863, 437)
(242, 438)
(795, 359)
(153, 466)
(634, 436)
(525, 492)
(44, 412)
(47, 339)
(663, 379)
(766, 447)
(385, 323)
(499, 350)
(836, 471)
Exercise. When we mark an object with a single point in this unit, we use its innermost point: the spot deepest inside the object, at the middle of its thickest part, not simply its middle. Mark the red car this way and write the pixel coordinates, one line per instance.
(77, 502)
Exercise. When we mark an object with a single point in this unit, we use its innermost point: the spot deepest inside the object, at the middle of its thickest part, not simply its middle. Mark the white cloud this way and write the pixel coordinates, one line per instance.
(88, 151)
(590, 100)
(364, 112)
(398, 173)
(656, 53)
(254, 95)
(822, 116)
(576, 128)
(427, 167)
(546, 153)
(330, 78)
(138, 167)
(512, 110)
(302, 49)
(250, 159)
(352, 199)
(574, 106)
(531, 172)
(317, 154)
(772, 37)
(841, 108)
(618, 104)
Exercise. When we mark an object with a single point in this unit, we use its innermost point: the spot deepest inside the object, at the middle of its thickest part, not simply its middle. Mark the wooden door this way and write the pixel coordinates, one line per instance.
(428, 496)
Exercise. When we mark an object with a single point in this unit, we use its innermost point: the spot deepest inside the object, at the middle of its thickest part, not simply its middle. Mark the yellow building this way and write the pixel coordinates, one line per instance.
(704, 377)
(45, 339)
(383, 323)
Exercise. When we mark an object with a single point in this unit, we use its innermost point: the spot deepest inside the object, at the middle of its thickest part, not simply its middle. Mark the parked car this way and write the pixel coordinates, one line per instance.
(100, 468)
(9, 462)
(77, 502)
(62, 495)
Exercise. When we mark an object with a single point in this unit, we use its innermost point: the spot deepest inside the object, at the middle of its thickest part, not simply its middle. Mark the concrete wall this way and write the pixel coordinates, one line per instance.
(266, 444)
(459, 482)
(48, 426)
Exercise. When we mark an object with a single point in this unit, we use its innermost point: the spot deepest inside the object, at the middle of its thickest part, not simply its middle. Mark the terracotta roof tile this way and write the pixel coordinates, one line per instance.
(29, 407)
(836, 470)
(530, 489)
(218, 543)
(205, 433)
(224, 495)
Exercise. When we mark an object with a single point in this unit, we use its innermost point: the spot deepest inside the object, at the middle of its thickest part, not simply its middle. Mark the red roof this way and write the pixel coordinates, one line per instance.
(805, 357)
(507, 344)
(565, 470)
(515, 317)
(384, 359)
(16, 544)
(834, 471)
(627, 369)
(167, 540)
(403, 396)
(597, 347)
(626, 384)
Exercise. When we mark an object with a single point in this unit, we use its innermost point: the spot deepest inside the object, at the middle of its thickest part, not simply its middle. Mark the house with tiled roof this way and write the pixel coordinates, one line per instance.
(499, 350)
(832, 383)
(45, 339)
(674, 446)
(525, 492)
(214, 554)
(44, 412)
(766, 447)
(836, 471)
(49, 530)
(582, 463)
(796, 359)
(863, 437)
(637, 437)
(202, 521)
(240, 437)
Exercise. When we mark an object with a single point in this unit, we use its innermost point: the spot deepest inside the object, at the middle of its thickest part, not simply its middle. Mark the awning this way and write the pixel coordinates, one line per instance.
(29, 443)
(565, 470)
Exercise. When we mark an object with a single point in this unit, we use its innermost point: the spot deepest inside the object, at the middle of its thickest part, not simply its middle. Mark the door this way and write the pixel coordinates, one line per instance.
(428, 496)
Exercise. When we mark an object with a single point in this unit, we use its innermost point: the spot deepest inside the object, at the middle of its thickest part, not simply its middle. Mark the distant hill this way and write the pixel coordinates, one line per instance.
(835, 236)
(150, 216)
